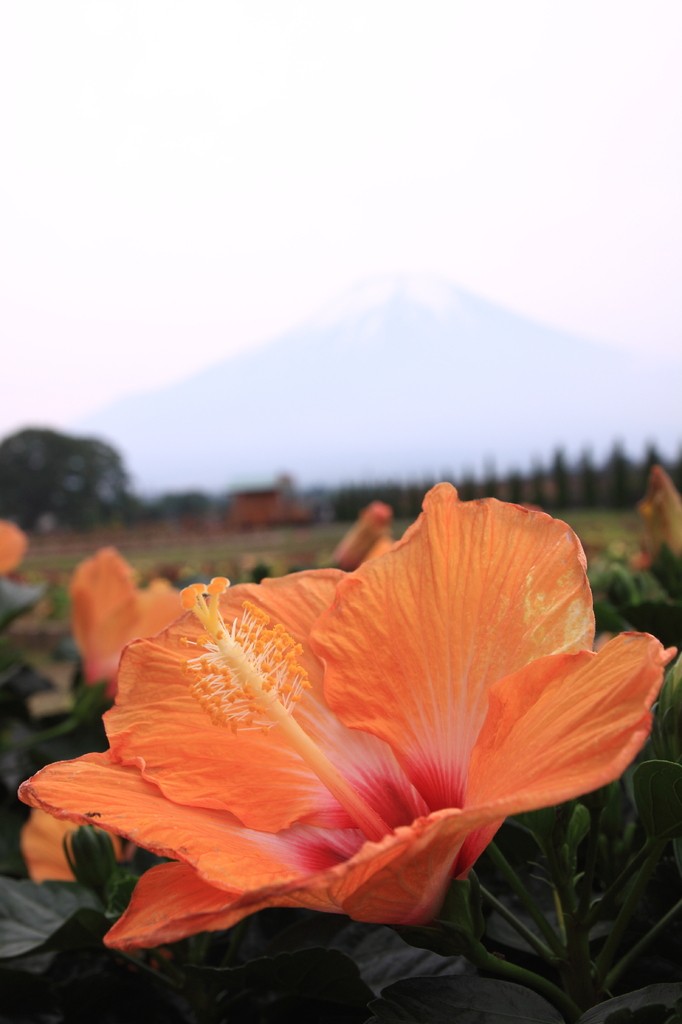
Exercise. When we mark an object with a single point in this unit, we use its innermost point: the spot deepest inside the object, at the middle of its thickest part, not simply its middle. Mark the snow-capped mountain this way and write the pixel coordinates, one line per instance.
(400, 377)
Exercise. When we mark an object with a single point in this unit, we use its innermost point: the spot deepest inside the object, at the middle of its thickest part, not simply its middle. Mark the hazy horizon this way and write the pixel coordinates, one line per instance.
(184, 182)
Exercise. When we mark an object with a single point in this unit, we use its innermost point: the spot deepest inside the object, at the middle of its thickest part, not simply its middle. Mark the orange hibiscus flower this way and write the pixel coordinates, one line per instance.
(661, 509)
(13, 544)
(108, 611)
(349, 743)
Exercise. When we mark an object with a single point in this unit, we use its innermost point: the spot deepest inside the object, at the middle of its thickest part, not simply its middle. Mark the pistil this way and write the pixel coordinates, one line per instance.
(248, 677)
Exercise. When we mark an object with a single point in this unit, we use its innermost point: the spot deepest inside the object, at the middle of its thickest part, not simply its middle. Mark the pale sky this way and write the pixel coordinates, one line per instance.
(181, 180)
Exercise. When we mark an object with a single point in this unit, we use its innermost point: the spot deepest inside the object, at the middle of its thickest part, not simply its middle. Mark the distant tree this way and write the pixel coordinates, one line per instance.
(180, 505)
(490, 484)
(260, 572)
(346, 504)
(467, 488)
(414, 496)
(515, 488)
(75, 481)
(652, 457)
(538, 492)
(562, 494)
(619, 478)
(588, 481)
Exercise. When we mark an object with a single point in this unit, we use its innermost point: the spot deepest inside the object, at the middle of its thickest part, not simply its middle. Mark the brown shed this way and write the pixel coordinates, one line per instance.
(264, 504)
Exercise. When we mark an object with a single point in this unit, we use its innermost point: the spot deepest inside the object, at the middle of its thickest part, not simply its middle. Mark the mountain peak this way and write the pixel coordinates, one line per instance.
(365, 297)
(402, 376)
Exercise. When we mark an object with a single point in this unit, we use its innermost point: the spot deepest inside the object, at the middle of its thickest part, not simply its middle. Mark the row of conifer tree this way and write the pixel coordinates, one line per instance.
(618, 482)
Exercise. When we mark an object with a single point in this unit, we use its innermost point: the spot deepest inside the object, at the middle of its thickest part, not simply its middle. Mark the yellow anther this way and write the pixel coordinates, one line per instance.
(247, 677)
(218, 585)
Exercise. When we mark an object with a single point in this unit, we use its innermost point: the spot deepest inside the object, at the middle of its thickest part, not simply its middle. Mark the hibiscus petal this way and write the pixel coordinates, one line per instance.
(13, 544)
(415, 639)
(157, 606)
(568, 724)
(400, 879)
(158, 726)
(103, 611)
(172, 901)
(42, 849)
(214, 842)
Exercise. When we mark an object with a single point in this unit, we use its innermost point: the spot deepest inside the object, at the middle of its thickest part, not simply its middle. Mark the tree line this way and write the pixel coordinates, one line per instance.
(50, 480)
(618, 482)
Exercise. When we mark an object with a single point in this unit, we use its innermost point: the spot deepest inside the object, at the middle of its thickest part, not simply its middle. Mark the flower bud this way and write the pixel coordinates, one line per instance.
(666, 732)
(461, 913)
(661, 509)
(369, 537)
(91, 856)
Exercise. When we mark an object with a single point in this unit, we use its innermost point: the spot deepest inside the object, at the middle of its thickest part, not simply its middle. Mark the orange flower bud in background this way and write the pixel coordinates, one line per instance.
(369, 537)
(13, 544)
(108, 611)
(661, 509)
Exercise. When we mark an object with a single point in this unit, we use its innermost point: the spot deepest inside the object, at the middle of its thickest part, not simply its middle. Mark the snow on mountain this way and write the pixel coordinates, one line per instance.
(400, 377)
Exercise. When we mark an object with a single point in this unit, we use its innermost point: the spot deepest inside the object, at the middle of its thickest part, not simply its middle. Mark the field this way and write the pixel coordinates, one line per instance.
(181, 556)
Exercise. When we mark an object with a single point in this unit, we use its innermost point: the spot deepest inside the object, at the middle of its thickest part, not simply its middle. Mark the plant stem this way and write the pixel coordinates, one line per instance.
(576, 971)
(198, 947)
(607, 903)
(482, 958)
(639, 947)
(590, 863)
(605, 958)
(47, 734)
(505, 869)
(533, 941)
(238, 933)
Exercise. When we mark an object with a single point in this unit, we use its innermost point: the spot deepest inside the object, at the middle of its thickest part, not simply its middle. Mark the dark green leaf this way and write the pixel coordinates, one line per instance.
(668, 571)
(657, 1014)
(541, 823)
(461, 907)
(118, 892)
(23, 681)
(52, 915)
(666, 995)
(433, 937)
(622, 587)
(467, 1000)
(16, 598)
(658, 794)
(84, 929)
(325, 974)
(11, 861)
(517, 843)
(381, 955)
(662, 620)
(26, 999)
(607, 619)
